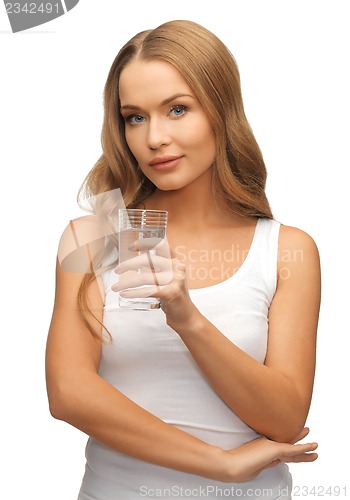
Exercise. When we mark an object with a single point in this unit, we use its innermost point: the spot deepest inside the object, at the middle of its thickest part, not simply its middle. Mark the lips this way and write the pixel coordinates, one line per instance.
(164, 162)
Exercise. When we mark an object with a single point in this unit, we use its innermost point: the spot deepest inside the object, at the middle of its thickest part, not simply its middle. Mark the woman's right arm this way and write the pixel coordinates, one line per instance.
(79, 396)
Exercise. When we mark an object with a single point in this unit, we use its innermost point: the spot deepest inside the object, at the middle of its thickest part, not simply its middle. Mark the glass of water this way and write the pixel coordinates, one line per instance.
(136, 225)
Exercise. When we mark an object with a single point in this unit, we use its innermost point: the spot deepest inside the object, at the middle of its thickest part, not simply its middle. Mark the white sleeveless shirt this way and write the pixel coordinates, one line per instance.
(148, 362)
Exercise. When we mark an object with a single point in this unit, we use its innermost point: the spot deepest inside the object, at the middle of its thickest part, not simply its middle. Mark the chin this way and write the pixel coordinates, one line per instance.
(169, 187)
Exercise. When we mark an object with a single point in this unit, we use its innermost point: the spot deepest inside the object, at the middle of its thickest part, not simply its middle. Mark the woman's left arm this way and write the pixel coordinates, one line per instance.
(273, 398)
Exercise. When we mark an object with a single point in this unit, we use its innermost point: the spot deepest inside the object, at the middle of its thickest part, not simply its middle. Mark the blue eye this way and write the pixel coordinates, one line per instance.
(134, 119)
(178, 110)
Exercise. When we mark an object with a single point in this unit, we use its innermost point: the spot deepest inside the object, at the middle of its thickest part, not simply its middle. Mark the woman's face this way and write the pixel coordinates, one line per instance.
(165, 126)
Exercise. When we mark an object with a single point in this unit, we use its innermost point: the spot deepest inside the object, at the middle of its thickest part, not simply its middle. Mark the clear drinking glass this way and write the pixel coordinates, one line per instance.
(136, 225)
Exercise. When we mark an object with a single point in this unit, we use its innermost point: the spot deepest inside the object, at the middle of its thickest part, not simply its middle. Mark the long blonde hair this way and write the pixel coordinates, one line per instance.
(208, 67)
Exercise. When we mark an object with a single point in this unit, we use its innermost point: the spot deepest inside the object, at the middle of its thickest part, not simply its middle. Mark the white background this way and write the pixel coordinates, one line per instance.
(294, 62)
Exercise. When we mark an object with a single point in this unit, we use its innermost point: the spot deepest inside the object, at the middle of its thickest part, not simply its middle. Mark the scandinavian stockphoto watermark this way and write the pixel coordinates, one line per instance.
(211, 491)
(24, 15)
(202, 265)
(219, 265)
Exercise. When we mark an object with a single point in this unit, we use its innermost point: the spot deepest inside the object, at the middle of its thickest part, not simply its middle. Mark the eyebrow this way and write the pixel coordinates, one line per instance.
(166, 101)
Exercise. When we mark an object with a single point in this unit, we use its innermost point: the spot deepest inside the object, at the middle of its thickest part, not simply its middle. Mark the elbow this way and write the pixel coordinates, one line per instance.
(69, 396)
(56, 409)
(284, 436)
(288, 427)
(59, 403)
(290, 433)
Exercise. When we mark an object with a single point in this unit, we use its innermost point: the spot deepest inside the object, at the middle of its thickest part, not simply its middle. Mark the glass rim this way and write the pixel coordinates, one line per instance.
(131, 218)
(139, 211)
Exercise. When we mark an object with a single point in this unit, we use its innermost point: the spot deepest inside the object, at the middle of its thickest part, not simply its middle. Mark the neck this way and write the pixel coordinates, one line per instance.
(193, 206)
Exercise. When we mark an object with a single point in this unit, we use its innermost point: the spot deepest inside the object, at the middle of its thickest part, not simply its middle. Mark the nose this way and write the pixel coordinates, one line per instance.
(158, 134)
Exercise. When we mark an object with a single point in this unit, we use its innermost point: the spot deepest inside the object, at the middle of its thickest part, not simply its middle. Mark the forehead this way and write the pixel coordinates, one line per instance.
(151, 80)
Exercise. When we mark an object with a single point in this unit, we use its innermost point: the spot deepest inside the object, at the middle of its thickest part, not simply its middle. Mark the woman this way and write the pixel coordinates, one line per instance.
(209, 394)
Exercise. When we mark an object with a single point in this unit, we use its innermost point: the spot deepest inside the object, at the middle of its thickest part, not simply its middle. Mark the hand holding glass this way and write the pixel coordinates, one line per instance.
(140, 231)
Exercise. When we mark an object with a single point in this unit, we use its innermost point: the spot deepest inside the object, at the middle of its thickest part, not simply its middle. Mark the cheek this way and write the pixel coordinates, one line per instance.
(133, 143)
(200, 135)
(206, 142)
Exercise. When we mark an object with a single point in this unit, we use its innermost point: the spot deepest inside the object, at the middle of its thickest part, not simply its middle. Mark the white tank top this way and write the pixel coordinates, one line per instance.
(148, 362)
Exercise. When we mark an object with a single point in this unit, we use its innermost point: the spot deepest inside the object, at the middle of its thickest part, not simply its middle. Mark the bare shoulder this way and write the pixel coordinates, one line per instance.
(82, 229)
(81, 241)
(294, 239)
(297, 250)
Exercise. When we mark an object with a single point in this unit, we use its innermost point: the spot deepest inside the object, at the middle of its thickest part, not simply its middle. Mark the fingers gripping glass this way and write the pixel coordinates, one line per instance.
(140, 231)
